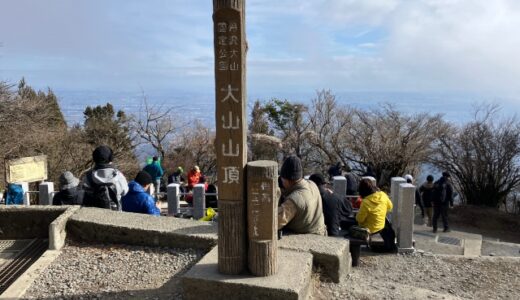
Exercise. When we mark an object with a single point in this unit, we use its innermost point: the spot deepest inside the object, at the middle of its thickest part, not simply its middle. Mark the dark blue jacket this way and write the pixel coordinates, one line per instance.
(154, 169)
(138, 201)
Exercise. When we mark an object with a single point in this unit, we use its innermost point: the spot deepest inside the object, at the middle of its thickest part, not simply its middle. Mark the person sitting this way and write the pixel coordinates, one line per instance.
(372, 213)
(137, 200)
(193, 177)
(104, 184)
(301, 212)
(177, 176)
(335, 209)
(69, 193)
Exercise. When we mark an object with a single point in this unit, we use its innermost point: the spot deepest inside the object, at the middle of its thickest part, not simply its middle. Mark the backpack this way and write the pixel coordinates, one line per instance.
(437, 193)
(359, 232)
(102, 195)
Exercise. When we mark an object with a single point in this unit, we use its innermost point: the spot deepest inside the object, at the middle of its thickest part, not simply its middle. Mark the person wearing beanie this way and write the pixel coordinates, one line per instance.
(442, 199)
(177, 176)
(137, 200)
(156, 171)
(426, 191)
(418, 200)
(335, 209)
(69, 193)
(104, 184)
(301, 211)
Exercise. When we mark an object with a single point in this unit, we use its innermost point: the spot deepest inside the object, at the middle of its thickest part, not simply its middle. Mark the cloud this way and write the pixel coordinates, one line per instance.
(421, 45)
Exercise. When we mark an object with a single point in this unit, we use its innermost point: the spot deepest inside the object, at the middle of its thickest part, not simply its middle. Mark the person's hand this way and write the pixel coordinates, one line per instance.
(158, 204)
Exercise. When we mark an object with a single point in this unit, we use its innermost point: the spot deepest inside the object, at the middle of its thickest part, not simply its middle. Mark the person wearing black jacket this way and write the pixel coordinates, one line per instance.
(442, 199)
(69, 193)
(335, 209)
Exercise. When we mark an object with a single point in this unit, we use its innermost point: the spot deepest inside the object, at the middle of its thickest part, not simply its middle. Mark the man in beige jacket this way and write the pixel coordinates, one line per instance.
(301, 212)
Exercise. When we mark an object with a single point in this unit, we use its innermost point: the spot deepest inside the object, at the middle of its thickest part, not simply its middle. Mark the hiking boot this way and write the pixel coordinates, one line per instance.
(446, 230)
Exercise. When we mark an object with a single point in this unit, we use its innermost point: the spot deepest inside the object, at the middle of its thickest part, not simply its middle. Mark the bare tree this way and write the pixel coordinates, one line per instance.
(195, 146)
(482, 157)
(156, 126)
(391, 142)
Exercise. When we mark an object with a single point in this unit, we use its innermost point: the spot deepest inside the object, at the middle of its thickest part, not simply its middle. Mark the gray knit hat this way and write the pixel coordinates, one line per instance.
(292, 168)
(68, 181)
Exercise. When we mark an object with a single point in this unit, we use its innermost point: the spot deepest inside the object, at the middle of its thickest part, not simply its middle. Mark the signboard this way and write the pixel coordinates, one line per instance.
(27, 169)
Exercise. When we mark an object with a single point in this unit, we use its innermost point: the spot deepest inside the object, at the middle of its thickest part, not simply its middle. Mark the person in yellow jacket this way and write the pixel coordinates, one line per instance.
(374, 207)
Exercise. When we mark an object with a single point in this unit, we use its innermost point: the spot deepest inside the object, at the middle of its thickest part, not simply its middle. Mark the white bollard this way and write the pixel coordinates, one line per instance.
(406, 216)
(394, 196)
(173, 198)
(26, 195)
(46, 190)
(199, 201)
(339, 186)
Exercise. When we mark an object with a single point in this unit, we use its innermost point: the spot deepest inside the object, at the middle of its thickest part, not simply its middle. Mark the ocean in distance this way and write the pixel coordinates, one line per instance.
(456, 107)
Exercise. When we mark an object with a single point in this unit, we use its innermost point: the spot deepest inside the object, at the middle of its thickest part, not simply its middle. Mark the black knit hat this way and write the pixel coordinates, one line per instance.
(102, 155)
(317, 178)
(446, 174)
(143, 178)
(292, 168)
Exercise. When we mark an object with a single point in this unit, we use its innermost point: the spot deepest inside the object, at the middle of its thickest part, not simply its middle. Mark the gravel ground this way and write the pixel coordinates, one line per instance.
(420, 276)
(84, 271)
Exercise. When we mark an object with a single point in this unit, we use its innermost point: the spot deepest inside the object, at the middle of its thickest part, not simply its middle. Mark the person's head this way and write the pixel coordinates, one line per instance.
(318, 179)
(446, 175)
(429, 178)
(102, 155)
(347, 168)
(155, 158)
(291, 171)
(68, 181)
(196, 169)
(408, 178)
(180, 169)
(144, 179)
(367, 187)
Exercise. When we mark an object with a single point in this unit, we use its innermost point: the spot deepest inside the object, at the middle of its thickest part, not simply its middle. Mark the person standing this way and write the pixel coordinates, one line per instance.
(418, 200)
(426, 191)
(155, 170)
(137, 200)
(104, 184)
(442, 199)
(301, 212)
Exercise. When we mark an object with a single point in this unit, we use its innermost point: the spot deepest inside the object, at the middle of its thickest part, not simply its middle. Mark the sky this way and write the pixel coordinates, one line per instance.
(468, 46)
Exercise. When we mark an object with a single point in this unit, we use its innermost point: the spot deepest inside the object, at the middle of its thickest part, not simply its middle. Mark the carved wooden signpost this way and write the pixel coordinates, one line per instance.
(262, 203)
(230, 144)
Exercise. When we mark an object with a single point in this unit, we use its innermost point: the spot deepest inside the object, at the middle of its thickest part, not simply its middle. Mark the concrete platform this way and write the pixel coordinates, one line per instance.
(102, 225)
(292, 281)
(330, 253)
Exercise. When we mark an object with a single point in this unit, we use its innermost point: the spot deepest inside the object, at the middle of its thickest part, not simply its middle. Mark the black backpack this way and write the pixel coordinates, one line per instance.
(103, 195)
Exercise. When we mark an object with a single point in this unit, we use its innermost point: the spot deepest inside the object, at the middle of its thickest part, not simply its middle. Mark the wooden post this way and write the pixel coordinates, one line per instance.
(262, 203)
(230, 143)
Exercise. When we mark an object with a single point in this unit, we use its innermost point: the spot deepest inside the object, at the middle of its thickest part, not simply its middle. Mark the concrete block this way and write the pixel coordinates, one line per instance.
(46, 190)
(394, 197)
(332, 254)
(406, 217)
(173, 198)
(199, 201)
(57, 232)
(292, 281)
(107, 226)
(339, 186)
